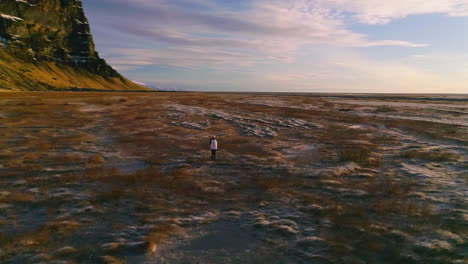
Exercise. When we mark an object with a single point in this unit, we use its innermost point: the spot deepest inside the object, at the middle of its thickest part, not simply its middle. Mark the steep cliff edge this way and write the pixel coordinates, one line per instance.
(47, 45)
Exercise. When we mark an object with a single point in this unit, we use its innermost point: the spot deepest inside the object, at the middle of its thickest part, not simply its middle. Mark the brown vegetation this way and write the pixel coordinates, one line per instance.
(341, 177)
(435, 155)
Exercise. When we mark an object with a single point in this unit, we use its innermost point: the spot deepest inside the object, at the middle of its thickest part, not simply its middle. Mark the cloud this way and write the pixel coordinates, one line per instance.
(381, 43)
(178, 57)
(207, 33)
(289, 76)
(271, 44)
(350, 72)
(381, 12)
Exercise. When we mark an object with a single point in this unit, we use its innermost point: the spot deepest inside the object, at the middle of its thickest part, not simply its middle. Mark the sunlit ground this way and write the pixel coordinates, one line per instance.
(126, 178)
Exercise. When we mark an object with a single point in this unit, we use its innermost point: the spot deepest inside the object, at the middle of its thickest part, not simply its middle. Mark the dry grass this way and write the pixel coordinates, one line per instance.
(63, 227)
(159, 235)
(436, 155)
(388, 203)
(69, 158)
(141, 185)
(361, 154)
(350, 145)
(181, 182)
(112, 260)
(37, 239)
(112, 194)
(16, 197)
(50, 75)
(239, 145)
(384, 109)
(429, 129)
(95, 160)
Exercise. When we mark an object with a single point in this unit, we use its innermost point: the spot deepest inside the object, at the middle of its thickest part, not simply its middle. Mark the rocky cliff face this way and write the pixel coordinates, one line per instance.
(51, 35)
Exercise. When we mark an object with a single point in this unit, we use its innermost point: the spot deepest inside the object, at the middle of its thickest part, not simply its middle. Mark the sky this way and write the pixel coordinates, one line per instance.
(344, 46)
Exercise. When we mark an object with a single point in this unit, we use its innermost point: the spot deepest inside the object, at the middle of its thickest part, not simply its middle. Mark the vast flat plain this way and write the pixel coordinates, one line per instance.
(126, 178)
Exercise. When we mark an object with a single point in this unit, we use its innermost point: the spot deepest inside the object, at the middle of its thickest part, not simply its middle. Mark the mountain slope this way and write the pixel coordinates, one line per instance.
(47, 45)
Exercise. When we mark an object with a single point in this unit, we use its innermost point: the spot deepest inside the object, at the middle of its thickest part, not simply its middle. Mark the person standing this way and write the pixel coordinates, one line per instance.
(213, 147)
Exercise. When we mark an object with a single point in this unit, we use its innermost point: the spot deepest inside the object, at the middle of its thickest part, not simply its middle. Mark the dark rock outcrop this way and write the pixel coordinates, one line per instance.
(52, 35)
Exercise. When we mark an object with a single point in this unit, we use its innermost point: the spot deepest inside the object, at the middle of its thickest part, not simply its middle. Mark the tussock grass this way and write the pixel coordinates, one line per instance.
(436, 155)
(95, 160)
(112, 260)
(159, 235)
(17, 197)
(63, 227)
(384, 109)
(239, 145)
(112, 194)
(351, 145)
(359, 153)
(388, 203)
(66, 159)
(353, 209)
(429, 129)
(115, 185)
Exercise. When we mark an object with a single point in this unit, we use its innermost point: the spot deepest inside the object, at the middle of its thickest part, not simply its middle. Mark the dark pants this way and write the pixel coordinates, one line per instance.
(213, 154)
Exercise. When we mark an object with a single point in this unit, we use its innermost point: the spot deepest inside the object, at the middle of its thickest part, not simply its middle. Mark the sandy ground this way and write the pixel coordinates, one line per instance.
(126, 178)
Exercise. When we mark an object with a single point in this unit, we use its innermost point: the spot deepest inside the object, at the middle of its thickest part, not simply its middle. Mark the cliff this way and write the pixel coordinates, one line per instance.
(47, 45)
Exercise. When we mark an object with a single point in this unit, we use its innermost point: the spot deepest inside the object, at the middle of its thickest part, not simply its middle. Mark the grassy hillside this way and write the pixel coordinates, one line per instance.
(20, 75)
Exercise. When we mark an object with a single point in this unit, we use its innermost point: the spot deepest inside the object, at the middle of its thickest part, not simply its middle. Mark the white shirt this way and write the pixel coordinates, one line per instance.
(213, 144)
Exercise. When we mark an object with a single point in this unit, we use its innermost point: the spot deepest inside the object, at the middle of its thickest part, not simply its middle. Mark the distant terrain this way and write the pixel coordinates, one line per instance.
(126, 178)
(47, 45)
